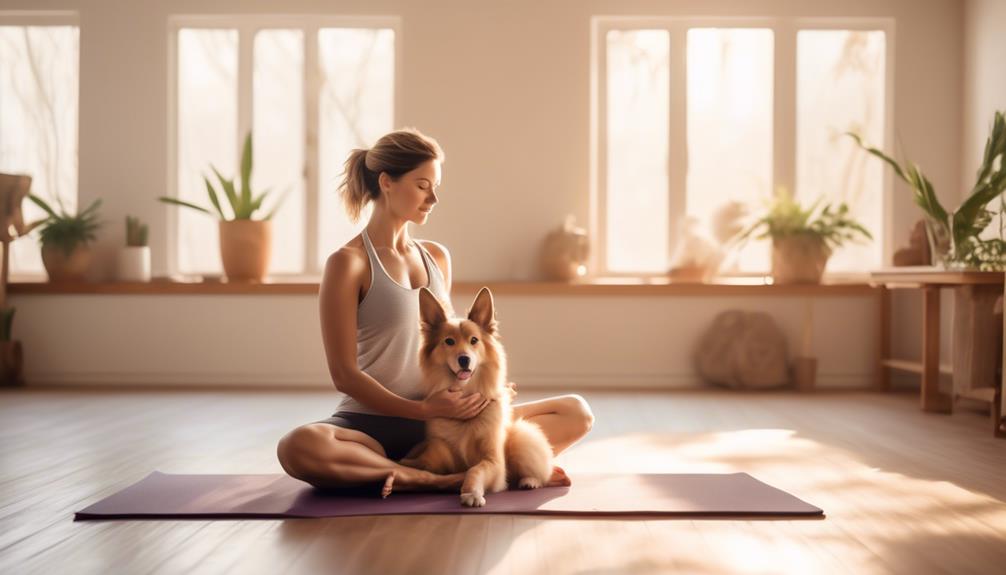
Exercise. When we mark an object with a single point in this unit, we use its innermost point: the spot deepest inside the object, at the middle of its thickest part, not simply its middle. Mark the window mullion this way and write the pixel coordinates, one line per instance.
(784, 112)
(246, 46)
(677, 171)
(599, 215)
(312, 86)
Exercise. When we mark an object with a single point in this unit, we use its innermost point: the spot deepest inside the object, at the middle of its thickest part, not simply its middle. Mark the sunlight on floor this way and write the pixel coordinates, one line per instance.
(888, 509)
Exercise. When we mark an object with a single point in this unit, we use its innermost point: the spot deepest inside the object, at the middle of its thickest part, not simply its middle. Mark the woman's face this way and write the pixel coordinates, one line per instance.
(413, 195)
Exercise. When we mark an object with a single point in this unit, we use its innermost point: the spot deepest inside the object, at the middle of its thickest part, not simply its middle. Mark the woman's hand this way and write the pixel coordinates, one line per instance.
(452, 403)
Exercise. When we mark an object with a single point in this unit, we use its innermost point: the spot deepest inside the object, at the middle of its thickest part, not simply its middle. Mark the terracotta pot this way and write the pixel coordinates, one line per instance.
(62, 268)
(11, 364)
(799, 258)
(245, 249)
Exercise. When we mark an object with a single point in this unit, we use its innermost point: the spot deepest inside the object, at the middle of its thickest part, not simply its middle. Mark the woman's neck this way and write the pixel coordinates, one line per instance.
(387, 232)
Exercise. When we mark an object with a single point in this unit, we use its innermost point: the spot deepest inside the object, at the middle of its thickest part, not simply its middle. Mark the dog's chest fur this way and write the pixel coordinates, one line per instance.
(475, 439)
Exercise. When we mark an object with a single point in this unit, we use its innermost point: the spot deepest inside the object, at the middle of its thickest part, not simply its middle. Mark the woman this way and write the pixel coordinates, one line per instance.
(369, 302)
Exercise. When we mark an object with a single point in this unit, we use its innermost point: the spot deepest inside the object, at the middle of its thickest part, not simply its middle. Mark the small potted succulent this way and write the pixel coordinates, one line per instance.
(803, 238)
(66, 239)
(245, 243)
(134, 259)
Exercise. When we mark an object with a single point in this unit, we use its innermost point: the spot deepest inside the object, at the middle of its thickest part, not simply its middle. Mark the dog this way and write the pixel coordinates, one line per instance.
(492, 448)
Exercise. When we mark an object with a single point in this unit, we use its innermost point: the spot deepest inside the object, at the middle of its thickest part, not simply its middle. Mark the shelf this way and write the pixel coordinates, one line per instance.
(739, 287)
(913, 366)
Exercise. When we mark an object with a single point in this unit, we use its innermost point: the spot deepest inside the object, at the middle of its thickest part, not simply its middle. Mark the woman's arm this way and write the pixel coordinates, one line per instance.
(338, 301)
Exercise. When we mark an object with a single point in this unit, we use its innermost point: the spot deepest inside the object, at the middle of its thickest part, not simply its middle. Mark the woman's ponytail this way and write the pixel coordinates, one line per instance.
(356, 189)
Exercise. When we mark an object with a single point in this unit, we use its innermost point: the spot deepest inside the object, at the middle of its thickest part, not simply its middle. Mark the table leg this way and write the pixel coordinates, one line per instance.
(932, 399)
(884, 335)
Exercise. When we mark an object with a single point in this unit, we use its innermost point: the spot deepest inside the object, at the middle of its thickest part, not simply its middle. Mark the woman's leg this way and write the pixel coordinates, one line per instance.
(325, 455)
(564, 419)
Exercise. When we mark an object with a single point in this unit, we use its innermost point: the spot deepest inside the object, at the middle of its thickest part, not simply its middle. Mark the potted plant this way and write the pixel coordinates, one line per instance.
(65, 239)
(245, 242)
(134, 259)
(954, 237)
(803, 238)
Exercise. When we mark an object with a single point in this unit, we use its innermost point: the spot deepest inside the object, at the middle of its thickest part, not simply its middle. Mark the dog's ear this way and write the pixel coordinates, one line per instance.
(483, 311)
(431, 311)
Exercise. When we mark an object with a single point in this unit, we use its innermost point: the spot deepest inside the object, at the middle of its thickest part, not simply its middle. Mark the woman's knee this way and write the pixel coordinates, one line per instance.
(300, 450)
(578, 410)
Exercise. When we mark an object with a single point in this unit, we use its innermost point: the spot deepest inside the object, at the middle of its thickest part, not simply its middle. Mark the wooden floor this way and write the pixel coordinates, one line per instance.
(904, 492)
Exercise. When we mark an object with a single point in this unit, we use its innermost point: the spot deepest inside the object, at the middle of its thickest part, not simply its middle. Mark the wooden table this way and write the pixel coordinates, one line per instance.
(931, 281)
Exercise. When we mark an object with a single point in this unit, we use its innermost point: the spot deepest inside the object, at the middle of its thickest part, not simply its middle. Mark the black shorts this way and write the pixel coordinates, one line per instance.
(396, 435)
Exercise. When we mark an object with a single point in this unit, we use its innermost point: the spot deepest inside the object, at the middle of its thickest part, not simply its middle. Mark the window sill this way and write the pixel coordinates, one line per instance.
(616, 286)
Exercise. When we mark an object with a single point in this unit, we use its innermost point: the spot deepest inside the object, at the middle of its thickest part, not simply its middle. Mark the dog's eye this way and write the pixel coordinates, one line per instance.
(449, 341)
(475, 340)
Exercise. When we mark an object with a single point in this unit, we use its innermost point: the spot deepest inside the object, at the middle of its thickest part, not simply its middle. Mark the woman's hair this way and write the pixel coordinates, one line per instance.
(395, 154)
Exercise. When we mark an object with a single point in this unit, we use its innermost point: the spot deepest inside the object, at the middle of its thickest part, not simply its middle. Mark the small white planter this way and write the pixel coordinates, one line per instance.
(134, 264)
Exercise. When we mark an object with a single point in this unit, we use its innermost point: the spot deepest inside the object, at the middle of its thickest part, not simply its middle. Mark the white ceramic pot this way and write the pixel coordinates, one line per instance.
(134, 264)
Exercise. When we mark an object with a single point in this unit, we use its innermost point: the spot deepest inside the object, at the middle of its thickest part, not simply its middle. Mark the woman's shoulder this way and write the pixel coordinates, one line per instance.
(437, 250)
(348, 260)
(441, 257)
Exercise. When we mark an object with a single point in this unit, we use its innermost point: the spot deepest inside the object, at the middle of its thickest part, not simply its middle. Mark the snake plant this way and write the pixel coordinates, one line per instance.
(243, 203)
(963, 226)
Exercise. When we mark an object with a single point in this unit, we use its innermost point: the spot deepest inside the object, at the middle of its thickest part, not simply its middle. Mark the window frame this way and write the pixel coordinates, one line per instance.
(47, 18)
(784, 116)
(247, 26)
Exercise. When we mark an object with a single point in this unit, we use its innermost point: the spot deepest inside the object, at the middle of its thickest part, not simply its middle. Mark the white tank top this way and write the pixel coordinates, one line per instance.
(387, 330)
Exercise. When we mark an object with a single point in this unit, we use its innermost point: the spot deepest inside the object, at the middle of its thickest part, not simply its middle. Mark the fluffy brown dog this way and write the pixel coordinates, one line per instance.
(492, 448)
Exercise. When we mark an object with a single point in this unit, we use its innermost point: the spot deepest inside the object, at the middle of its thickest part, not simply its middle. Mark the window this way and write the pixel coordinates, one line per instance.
(692, 114)
(309, 90)
(637, 150)
(39, 73)
(840, 88)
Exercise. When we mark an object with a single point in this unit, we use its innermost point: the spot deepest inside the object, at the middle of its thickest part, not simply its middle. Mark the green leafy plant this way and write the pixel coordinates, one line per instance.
(962, 227)
(136, 232)
(64, 230)
(243, 203)
(786, 217)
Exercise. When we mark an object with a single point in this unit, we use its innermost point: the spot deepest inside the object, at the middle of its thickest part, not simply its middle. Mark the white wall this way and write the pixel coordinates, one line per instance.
(505, 87)
(573, 342)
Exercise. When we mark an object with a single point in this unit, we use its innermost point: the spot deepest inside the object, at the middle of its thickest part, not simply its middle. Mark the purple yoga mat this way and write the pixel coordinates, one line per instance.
(162, 495)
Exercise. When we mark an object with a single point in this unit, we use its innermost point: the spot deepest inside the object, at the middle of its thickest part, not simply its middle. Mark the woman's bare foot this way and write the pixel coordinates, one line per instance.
(559, 478)
(419, 480)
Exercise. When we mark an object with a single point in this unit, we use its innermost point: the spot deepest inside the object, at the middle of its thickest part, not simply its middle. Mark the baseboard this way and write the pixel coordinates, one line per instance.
(321, 381)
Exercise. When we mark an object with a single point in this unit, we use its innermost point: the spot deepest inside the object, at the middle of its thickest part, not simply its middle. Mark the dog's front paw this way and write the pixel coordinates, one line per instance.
(529, 483)
(472, 499)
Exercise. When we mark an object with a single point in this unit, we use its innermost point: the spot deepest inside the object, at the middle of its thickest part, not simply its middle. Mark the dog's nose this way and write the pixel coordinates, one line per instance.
(463, 361)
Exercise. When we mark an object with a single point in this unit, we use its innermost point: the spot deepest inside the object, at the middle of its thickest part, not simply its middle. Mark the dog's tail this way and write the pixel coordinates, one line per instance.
(528, 455)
